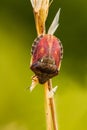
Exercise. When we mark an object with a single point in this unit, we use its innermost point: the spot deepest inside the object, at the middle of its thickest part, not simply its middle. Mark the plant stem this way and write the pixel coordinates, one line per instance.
(40, 24)
(47, 108)
(52, 107)
(40, 18)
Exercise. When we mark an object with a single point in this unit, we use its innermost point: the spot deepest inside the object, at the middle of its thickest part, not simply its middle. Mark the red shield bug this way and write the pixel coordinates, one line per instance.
(47, 52)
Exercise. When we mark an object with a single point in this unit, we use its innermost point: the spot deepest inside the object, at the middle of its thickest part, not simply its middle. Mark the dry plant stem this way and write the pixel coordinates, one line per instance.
(40, 26)
(40, 19)
(52, 107)
(40, 15)
(47, 108)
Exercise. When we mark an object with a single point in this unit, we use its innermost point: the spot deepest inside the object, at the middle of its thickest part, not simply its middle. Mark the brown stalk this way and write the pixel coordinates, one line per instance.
(40, 19)
(47, 107)
(52, 107)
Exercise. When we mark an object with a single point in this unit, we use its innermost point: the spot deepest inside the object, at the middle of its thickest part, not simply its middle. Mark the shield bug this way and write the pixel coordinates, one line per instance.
(47, 54)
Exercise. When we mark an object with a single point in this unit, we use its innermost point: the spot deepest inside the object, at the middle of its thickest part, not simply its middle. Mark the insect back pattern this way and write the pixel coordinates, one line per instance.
(47, 53)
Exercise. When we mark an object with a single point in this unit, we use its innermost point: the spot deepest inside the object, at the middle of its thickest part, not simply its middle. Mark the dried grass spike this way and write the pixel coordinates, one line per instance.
(34, 83)
(54, 24)
(36, 4)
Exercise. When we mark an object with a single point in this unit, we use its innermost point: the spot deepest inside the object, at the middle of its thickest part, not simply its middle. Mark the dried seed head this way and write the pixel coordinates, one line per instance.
(36, 4)
(40, 4)
(40, 8)
(45, 4)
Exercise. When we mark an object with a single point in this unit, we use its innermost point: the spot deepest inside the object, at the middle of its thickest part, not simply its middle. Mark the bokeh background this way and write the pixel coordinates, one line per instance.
(20, 109)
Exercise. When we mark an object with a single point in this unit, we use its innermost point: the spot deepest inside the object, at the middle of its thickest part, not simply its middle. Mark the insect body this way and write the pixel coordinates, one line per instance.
(47, 52)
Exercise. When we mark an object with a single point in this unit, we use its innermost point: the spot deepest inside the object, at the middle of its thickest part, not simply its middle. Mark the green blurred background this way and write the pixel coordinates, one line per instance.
(20, 109)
